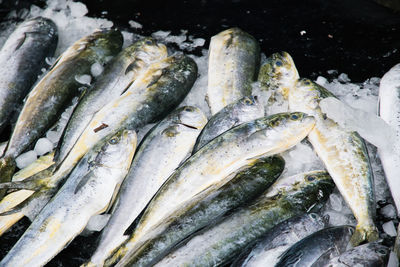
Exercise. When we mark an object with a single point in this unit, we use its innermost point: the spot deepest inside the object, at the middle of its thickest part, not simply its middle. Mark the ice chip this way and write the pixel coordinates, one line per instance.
(389, 228)
(388, 211)
(198, 42)
(321, 80)
(135, 25)
(97, 222)
(393, 260)
(343, 78)
(96, 69)
(43, 146)
(336, 202)
(25, 159)
(78, 9)
(53, 136)
(160, 34)
(83, 79)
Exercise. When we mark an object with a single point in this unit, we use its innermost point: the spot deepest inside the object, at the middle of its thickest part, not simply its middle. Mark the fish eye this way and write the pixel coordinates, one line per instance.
(275, 123)
(307, 83)
(248, 101)
(148, 42)
(188, 109)
(351, 230)
(279, 63)
(114, 140)
(313, 216)
(294, 117)
(311, 178)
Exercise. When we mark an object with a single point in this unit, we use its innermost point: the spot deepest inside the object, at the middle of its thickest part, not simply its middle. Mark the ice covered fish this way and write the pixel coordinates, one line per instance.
(54, 92)
(10, 211)
(270, 247)
(151, 96)
(220, 243)
(210, 166)
(389, 111)
(367, 255)
(88, 191)
(159, 154)
(318, 247)
(234, 59)
(116, 78)
(243, 110)
(22, 58)
(277, 75)
(207, 208)
(345, 157)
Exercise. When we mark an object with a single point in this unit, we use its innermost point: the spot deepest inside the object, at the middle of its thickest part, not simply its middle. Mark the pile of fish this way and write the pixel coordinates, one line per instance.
(196, 190)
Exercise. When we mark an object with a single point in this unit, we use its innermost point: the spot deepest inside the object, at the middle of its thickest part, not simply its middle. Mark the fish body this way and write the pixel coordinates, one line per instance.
(243, 110)
(270, 247)
(87, 192)
(210, 166)
(367, 255)
(221, 242)
(234, 58)
(389, 110)
(21, 61)
(325, 243)
(246, 185)
(344, 155)
(116, 78)
(159, 154)
(54, 92)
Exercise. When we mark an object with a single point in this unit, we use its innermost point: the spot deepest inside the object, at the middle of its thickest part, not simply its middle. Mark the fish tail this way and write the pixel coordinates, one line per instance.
(364, 233)
(7, 168)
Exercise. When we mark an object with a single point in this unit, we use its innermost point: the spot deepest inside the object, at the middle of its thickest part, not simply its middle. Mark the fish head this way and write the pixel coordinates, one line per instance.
(146, 50)
(40, 25)
(191, 117)
(118, 151)
(249, 107)
(279, 72)
(284, 130)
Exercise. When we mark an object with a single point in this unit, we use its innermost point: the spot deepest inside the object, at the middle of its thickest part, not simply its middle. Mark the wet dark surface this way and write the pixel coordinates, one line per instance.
(356, 37)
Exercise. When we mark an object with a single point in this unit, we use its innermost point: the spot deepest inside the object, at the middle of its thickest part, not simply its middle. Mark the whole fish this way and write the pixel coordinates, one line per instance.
(325, 243)
(344, 155)
(244, 110)
(270, 247)
(162, 150)
(389, 109)
(21, 61)
(277, 75)
(220, 243)
(54, 92)
(234, 59)
(245, 186)
(151, 96)
(116, 78)
(88, 191)
(367, 255)
(212, 164)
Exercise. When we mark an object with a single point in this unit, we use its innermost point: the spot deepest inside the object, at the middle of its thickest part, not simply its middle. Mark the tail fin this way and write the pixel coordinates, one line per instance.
(7, 168)
(363, 234)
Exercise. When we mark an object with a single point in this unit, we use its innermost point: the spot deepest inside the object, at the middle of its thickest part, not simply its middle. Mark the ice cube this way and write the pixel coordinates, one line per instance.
(25, 159)
(336, 202)
(344, 78)
(389, 211)
(135, 25)
(96, 69)
(43, 146)
(389, 228)
(83, 79)
(78, 9)
(53, 136)
(393, 260)
(321, 80)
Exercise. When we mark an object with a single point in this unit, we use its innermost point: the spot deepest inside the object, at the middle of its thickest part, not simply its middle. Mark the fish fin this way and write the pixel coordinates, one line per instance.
(55, 62)
(364, 233)
(126, 88)
(131, 228)
(133, 66)
(290, 259)
(82, 182)
(20, 207)
(20, 42)
(7, 168)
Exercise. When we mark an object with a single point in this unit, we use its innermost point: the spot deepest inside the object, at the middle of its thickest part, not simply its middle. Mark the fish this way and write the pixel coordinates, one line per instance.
(275, 242)
(13, 199)
(389, 108)
(162, 150)
(116, 78)
(234, 58)
(51, 95)
(209, 166)
(208, 208)
(344, 155)
(220, 243)
(276, 76)
(153, 95)
(244, 110)
(88, 191)
(329, 242)
(367, 255)
(22, 58)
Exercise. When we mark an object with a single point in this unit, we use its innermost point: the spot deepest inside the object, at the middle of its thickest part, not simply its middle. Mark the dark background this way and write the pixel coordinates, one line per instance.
(357, 37)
